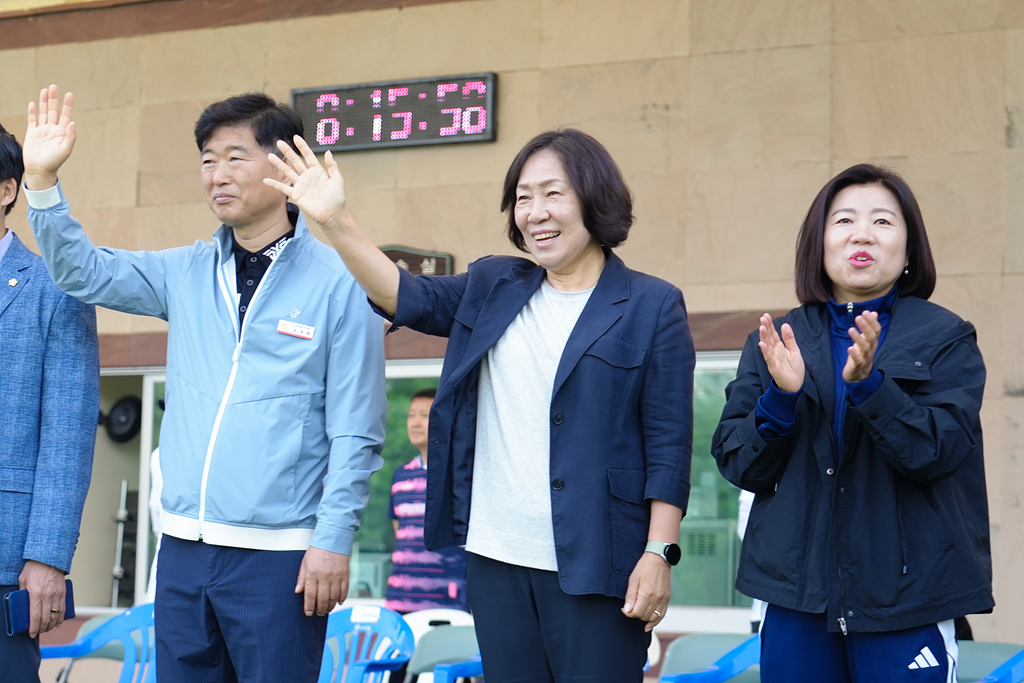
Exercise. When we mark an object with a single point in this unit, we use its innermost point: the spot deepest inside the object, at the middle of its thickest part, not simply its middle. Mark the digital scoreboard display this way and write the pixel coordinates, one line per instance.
(431, 111)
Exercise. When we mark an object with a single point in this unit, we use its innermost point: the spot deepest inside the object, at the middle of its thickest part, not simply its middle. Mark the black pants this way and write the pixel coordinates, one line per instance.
(531, 631)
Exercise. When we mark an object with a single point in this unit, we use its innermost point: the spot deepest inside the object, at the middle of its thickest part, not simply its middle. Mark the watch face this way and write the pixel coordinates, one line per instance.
(673, 554)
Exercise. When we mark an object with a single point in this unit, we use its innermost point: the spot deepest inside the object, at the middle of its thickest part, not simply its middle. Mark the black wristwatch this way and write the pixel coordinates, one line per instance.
(670, 552)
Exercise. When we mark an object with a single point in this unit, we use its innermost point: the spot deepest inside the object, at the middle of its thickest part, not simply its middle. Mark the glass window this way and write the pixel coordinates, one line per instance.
(708, 540)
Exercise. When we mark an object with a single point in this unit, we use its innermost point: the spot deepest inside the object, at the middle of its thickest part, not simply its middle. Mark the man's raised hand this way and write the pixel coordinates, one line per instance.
(318, 190)
(49, 139)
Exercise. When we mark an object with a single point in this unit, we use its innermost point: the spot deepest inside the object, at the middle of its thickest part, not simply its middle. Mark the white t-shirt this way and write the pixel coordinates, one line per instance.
(510, 509)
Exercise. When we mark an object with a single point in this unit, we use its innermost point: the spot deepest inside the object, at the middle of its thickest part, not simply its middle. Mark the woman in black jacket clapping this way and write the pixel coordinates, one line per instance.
(855, 421)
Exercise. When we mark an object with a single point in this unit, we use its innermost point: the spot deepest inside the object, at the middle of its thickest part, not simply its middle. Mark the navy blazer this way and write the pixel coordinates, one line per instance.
(49, 401)
(621, 409)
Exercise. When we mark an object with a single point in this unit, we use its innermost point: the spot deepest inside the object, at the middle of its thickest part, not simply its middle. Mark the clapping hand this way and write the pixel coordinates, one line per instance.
(49, 139)
(319, 190)
(782, 355)
(861, 356)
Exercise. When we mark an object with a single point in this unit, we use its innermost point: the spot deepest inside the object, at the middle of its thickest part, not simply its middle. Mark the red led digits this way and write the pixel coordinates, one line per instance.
(456, 121)
(406, 127)
(419, 119)
(481, 121)
(326, 98)
(395, 93)
(479, 86)
(445, 88)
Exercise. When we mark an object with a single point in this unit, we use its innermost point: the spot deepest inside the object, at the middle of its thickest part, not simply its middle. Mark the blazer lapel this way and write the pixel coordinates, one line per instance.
(508, 295)
(14, 273)
(598, 315)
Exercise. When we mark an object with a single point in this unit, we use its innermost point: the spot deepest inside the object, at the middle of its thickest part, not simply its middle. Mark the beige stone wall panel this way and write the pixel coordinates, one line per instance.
(1013, 339)
(753, 24)
(465, 37)
(207, 64)
(742, 222)
(579, 32)
(777, 295)
(1014, 92)
(657, 240)
(18, 85)
(978, 299)
(102, 171)
(166, 138)
(352, 47)
(636, 109)
(102, 74)
(461, 220)
(164, 227)
(376, 212)
(880, 19)
(761, 107)
(484, 162)
(919, 96)
(170, 188)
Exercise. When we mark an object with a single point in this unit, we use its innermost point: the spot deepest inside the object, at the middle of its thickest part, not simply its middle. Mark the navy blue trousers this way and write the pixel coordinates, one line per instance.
(19, 654)
(796, 647)
(231, 614)
(531, 631)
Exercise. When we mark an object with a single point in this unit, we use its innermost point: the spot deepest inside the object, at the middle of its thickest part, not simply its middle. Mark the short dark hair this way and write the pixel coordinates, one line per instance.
(429, 392)
(812, 282)
(12, 165)
(604, 197)
(269, 120)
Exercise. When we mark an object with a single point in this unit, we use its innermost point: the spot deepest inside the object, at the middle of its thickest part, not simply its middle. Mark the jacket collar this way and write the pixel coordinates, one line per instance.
(918, 330)
(510, 293)
(225, 244)
(13, 268)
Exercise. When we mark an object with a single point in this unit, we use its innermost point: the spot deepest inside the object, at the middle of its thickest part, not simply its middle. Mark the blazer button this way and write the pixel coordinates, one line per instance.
(557, 484)
(557, 418)
(830, 471)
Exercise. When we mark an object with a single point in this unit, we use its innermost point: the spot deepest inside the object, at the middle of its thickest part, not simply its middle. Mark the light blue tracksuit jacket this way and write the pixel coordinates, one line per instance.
(273, 427)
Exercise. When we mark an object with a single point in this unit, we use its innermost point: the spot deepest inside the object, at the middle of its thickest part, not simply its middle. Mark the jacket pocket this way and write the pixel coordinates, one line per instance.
(617, 352)
(17, 479)
(629, 518)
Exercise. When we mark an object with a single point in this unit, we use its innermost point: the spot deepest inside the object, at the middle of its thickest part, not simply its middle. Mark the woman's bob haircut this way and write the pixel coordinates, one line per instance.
(605, 200)
(812, 282)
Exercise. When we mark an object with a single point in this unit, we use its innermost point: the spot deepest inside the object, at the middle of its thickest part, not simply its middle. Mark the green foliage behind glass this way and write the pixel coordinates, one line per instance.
(376, 534)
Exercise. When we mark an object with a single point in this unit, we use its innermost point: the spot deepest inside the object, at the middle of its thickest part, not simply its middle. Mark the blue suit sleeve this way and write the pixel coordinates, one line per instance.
(67, 434)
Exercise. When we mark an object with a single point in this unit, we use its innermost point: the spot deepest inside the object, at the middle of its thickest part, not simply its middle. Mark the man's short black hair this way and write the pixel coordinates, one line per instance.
(429, 392)
(269, 120)
(12, 165)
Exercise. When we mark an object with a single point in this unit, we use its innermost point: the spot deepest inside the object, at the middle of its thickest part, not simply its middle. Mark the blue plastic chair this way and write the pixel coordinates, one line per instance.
(449, 673)
(363, 642)
(985, 662)
(689, 652)
(133, 629)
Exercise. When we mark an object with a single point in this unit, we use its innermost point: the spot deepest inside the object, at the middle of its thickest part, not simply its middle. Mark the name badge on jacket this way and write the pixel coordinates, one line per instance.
(295, 329)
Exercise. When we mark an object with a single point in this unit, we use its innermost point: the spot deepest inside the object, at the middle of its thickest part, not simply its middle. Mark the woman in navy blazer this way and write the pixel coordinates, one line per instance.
(561, 434)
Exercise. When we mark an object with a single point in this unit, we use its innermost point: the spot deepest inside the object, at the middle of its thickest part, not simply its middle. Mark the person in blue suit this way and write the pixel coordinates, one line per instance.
(49, 401)
(561, 434)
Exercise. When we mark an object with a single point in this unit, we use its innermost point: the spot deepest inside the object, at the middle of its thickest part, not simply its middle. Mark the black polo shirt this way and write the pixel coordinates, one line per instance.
(251, 266)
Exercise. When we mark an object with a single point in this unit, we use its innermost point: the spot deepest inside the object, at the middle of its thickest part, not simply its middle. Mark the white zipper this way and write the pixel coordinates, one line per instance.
(232, 303)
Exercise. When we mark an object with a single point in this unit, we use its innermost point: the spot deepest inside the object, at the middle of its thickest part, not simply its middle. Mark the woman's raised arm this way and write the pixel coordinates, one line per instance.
(319, 190)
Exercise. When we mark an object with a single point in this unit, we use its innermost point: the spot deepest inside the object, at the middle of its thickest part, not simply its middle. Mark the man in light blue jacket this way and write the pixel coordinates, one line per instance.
(49, 401)
(275, 398)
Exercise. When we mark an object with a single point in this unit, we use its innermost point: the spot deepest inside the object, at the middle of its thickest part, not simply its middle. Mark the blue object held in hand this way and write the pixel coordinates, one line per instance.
(16, 609)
